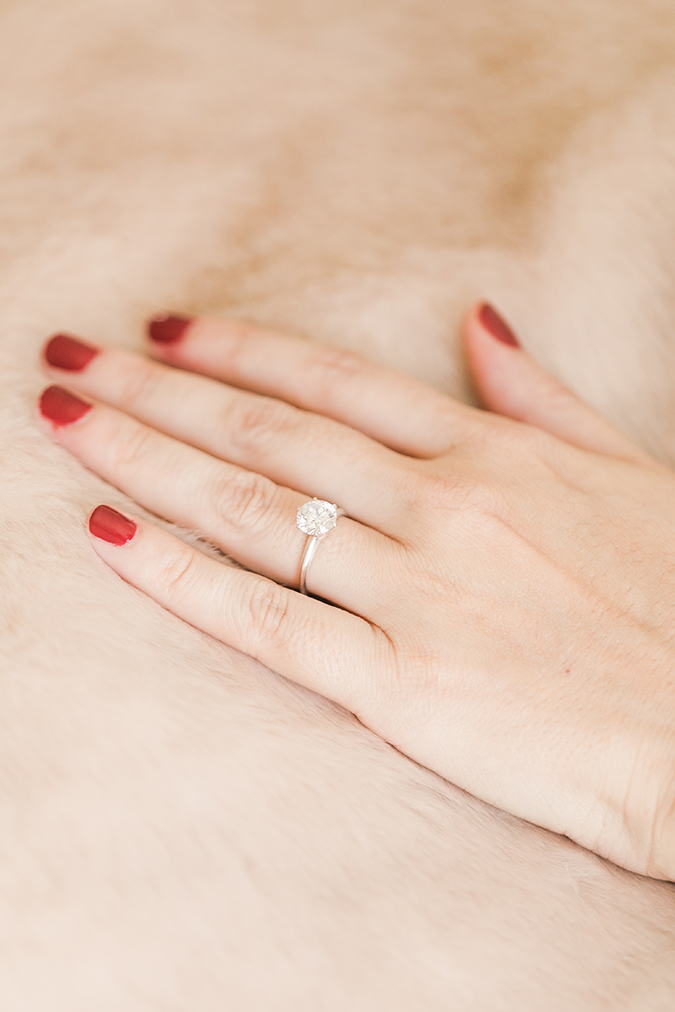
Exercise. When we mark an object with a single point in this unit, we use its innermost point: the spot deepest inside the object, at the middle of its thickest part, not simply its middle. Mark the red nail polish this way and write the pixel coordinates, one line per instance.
(109, 525)
(497, 326)
(167, 329)
(62, 407)
(66, 352)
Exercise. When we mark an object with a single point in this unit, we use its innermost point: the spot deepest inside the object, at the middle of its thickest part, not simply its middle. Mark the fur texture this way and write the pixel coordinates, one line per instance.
(182, 829)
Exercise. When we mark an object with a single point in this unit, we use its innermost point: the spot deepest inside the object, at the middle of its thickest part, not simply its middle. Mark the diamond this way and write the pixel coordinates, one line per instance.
(317, 517)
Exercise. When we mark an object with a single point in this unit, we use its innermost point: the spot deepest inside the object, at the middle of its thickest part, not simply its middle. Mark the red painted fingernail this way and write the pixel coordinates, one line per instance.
(66, 352)
(109, 525)
(497, 326)
(62, 407)
(167, 329)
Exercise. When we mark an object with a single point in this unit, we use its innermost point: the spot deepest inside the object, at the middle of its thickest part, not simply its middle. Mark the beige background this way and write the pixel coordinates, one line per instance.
(180, 829)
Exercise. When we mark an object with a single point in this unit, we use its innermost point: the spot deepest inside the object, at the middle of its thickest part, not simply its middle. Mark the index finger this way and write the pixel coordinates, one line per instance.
(391, 407)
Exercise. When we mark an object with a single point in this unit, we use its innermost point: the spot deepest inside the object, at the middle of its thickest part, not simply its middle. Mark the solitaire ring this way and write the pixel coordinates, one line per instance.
(316, 519)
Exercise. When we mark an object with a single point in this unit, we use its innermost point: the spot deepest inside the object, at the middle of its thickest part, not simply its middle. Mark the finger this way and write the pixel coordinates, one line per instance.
(511, 383)
(322, 648)
(316, 455)
(246, 515)
(397, 410)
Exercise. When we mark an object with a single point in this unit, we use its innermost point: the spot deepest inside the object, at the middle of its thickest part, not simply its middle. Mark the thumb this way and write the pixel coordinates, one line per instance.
(511, 383)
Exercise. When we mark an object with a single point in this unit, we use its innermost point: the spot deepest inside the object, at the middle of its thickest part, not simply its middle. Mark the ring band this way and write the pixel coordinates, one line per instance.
(316, 519)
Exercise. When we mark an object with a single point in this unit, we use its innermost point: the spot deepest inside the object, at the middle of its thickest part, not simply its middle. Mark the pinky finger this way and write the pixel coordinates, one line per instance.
(321, 647)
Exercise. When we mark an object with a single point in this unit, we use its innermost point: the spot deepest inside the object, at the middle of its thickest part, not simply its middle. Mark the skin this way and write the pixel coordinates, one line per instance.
(503, 578)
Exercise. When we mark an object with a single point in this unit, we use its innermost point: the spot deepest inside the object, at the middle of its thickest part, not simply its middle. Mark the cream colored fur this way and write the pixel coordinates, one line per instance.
(181, 829)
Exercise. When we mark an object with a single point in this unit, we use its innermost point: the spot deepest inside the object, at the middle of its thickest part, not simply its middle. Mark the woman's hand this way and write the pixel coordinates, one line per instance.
(505, 595)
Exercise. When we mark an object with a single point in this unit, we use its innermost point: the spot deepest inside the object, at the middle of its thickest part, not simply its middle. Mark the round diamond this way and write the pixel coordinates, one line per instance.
(317, 517)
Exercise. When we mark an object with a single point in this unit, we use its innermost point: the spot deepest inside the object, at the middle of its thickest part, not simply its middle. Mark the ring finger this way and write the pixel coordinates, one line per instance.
(245, 514)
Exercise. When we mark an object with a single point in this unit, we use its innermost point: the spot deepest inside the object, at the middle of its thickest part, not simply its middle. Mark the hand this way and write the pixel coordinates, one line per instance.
(499, 601)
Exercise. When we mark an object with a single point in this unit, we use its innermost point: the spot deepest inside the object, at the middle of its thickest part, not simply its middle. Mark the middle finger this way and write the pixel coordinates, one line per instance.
(296, 448)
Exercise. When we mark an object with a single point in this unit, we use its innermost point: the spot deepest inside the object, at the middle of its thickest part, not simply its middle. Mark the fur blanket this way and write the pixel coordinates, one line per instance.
(182, 829)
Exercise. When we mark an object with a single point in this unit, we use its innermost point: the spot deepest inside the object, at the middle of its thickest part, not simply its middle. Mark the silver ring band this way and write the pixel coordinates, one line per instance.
(316, 519)
(308, 553)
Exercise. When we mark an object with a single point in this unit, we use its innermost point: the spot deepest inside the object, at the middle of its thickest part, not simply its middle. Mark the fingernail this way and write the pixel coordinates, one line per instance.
(66, 352)
(497, 326)
(167, 329)
(109, 525)
(62, 407)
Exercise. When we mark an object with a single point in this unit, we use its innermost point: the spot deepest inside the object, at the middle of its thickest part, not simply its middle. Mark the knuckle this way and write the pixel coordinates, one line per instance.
(246, 501)
(177, 573)
(140, 385)
(331, 369)
(445, 491)
(256, 421)
(266, 614)
(440, 496)
(133, 445)
(239, 335)
(505, 442)
(424, 680)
